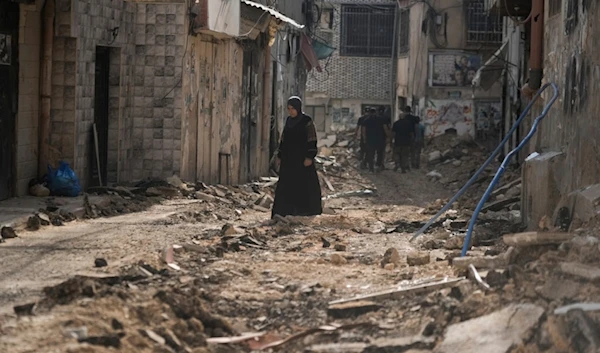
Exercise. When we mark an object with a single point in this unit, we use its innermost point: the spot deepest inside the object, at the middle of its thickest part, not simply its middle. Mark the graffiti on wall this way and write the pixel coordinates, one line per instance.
(453, 70)
(343, 119)
(5, 46)
(444, 115)
(488, 115)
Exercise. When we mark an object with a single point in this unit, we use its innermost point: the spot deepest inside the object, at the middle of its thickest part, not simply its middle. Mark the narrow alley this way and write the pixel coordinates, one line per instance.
(303, 176)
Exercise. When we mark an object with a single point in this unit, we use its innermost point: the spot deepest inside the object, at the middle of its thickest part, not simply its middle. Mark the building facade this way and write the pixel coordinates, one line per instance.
(126, 90)
(441, 48)
(360, 73)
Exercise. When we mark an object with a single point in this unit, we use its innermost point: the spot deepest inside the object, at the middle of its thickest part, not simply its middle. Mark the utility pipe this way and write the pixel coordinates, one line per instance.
(536, 54)
(47, 34)
(504, 164)
(482, 168)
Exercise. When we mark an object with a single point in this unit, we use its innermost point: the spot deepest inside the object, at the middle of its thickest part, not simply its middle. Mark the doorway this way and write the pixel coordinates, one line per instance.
(99, 160)
(9, 73)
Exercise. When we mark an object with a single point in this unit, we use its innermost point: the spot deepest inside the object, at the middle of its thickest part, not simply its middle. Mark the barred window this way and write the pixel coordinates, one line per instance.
(404, 35)
(367, 30)
(481, 27)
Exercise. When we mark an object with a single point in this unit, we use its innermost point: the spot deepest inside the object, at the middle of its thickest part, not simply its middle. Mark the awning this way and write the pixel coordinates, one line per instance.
(490, 72)
(274, 13)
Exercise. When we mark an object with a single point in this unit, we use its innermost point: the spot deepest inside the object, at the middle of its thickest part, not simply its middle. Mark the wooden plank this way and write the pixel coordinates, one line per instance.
(399, 293)
(201, 71)
(215, 126)
(499, 205)
(235, 101)
(190, 115)
(536, 238)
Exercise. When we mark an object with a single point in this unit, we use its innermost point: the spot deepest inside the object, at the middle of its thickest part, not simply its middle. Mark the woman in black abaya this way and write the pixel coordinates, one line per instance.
(298, 191)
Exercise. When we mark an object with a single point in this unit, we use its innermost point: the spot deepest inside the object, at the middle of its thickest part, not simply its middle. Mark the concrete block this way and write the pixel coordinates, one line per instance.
(587, 203)
(540, 193)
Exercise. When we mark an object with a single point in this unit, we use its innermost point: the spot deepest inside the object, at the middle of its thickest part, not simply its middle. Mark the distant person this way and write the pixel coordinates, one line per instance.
(403, 130)
(362, 145)
(415, 120)
(298, 191)
(386, 122)
(418, 145)
(374, 134)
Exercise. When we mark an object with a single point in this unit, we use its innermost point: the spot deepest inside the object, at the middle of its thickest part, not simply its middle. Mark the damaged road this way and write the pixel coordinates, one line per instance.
(206, 270)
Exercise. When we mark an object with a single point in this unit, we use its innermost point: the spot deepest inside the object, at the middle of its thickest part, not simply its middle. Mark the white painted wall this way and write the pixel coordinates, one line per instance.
(224, 16)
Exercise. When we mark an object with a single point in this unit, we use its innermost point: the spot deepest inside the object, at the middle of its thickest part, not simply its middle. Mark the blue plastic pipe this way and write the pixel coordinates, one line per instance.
(484, 165)
(503, 166)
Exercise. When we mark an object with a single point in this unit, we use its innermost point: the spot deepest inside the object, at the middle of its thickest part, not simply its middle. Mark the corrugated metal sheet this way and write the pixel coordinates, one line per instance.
(274, 13)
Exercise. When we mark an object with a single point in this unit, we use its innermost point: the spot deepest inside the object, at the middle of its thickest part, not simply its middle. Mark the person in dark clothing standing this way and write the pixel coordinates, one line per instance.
(403, 130)
(298, 191)
(386, 122)
(418, 146)
(362, 147)
(374, 134)
(415, 120)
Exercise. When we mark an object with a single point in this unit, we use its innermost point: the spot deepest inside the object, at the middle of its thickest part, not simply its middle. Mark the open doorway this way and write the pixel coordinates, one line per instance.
(9, 73)
(99, 160)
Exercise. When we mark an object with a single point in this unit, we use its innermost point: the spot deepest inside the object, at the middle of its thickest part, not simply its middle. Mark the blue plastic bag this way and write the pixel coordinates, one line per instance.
(63, 181)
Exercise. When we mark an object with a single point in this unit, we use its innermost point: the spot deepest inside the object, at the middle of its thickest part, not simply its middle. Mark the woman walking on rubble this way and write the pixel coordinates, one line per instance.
(298, 191)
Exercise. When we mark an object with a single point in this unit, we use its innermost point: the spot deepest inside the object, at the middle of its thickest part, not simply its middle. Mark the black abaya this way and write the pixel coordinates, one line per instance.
(298, 191)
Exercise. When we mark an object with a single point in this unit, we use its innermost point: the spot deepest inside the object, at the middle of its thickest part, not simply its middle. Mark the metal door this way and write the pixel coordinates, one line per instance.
(9, 70)
(100, 116)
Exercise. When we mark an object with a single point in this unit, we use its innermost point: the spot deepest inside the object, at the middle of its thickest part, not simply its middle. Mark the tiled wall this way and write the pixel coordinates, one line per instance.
(160, 38)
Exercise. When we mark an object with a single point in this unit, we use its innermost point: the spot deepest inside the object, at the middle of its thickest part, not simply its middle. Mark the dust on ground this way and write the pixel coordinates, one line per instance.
(207, 262)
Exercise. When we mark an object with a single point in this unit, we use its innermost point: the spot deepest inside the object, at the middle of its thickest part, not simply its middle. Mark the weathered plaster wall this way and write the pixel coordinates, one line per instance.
(571, 60)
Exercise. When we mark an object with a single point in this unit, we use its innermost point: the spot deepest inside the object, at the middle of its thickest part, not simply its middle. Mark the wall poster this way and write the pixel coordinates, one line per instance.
(453, 70)
(5, 49)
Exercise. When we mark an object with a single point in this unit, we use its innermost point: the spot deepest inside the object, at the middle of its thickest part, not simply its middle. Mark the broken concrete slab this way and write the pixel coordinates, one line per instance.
(587, 203)
(351, 347)
(500, 204)
(418, 258)
(352, 309)
(488, 262)
(401, 344)
(558, 289)
(498, 332)
(536, 238)
(586, 272)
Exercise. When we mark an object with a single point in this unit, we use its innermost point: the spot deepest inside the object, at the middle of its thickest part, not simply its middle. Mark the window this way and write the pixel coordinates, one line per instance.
(554, 8)
(482, 28)
(367, 30)
(403, 40)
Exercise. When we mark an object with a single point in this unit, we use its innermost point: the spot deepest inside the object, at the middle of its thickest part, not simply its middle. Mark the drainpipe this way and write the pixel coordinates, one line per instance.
(394, 85)
(537, 49)
(47, 35)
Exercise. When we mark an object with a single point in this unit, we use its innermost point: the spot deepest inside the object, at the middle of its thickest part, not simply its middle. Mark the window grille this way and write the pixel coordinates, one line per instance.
(481, 27)
(367, 30)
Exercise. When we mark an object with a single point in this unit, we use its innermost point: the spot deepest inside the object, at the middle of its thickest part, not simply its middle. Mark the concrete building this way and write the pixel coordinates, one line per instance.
(441, 48)
(560, 48)
(160, 87)
(360, 73)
